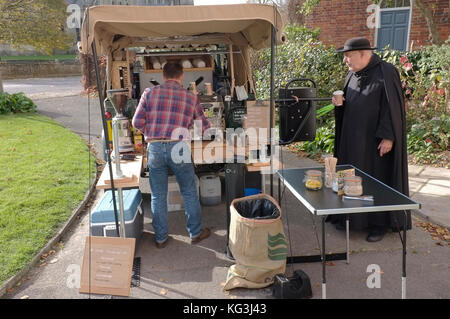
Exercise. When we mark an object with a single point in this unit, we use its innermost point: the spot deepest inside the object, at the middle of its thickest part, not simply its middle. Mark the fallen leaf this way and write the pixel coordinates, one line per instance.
(25, 297)
(330, 263)
(222, 284)
(54, 260)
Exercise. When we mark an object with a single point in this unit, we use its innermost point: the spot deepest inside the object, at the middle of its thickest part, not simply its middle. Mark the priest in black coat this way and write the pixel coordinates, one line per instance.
(371, 131)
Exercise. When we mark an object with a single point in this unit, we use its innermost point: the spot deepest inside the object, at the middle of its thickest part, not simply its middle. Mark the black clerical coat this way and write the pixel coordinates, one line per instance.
(374, 109)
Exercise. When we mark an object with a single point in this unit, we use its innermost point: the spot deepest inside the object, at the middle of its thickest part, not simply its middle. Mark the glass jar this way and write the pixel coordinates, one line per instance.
(353, 186)
(313, 180)
(334, 183)
(329, 176)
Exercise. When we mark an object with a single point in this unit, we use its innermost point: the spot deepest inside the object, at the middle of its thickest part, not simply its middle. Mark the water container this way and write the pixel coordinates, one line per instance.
(210, 190)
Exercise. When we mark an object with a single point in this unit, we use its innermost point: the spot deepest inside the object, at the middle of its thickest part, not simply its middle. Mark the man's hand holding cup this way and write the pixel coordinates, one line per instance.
(338, 98)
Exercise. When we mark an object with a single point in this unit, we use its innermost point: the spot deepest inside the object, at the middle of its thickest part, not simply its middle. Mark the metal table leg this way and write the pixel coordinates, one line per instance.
(324, 280)
(404, 258)
(347, 236)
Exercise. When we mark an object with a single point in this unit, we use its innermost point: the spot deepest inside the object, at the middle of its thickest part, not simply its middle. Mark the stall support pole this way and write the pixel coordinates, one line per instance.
(105, 130)
(272, 104)
(119, 174)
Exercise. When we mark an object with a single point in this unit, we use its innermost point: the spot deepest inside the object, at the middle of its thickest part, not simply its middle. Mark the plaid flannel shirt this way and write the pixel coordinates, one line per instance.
(167, 107)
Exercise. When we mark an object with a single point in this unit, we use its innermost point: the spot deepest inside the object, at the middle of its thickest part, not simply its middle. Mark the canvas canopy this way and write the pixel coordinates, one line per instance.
(115, 27)
(240, 26)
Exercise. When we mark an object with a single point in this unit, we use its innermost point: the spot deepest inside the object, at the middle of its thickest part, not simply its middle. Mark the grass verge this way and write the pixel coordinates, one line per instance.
(39, 57)
(45, 175)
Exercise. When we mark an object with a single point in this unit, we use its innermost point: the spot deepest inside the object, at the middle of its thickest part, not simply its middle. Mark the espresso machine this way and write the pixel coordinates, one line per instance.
(122, 136)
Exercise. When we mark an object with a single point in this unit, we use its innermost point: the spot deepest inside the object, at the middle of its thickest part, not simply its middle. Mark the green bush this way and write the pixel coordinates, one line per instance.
(301, 56)
(16, 103)
(323, 143)
(428, 138)
(425, 76)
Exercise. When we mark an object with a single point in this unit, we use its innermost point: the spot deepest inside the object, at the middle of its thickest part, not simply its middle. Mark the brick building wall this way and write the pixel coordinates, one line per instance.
(419, 30)
(343, 19)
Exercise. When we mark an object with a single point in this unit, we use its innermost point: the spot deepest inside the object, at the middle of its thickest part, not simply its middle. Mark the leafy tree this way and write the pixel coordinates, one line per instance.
(39, 23)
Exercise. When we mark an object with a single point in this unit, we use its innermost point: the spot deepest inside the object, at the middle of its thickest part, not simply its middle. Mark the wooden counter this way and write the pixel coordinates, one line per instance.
(131, 171)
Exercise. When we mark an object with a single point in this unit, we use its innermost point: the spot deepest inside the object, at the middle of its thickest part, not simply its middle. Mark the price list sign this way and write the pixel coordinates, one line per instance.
(107, 265)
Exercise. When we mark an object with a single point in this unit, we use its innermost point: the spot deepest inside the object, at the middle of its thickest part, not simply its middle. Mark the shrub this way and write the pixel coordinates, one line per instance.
(425, 76)
(301, 56)
(426, 139)
(323, 143)
(16, 103)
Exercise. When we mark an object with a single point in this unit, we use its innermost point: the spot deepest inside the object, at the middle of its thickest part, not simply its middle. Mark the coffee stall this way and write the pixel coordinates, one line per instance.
(212, 43)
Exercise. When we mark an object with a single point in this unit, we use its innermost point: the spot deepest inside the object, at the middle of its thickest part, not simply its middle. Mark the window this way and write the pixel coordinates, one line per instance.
(394, 3)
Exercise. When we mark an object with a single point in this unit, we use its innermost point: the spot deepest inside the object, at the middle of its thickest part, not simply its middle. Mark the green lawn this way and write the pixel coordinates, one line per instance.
(44, 176)
(39, 57)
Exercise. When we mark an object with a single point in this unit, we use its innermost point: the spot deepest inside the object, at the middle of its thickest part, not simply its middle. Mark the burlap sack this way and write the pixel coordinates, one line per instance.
(258, 243)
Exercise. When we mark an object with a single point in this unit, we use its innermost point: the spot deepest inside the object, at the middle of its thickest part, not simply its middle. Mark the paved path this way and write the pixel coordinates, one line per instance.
(43, 88)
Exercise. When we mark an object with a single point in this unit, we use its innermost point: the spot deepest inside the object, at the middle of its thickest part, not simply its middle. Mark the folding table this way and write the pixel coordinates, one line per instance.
(325, 202)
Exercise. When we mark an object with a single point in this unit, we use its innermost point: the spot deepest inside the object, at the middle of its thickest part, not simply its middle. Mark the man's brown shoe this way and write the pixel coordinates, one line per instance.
(161, 245)
(204, 234)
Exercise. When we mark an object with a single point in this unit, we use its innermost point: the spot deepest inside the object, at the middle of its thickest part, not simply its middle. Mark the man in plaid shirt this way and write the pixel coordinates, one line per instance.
(163, 113)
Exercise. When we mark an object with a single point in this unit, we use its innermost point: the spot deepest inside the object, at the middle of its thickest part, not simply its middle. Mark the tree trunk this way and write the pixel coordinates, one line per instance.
(293, 7)
(1, 83)
(435, 37)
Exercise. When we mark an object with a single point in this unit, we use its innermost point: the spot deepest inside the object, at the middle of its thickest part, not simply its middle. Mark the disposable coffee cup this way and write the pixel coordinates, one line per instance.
(194, 88)
(209, 90)
(339, 97)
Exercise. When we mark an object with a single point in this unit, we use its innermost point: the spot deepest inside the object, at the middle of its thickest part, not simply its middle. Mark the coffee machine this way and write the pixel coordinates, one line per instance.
(122, 136)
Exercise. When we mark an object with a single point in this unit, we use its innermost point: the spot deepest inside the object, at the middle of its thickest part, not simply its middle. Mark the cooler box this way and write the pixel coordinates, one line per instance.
(103, 222)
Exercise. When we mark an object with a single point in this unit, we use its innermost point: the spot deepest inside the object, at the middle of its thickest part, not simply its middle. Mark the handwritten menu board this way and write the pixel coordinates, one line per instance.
(107, 265)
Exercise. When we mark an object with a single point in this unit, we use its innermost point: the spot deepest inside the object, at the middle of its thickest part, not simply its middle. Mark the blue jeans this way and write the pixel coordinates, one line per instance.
(160, 159)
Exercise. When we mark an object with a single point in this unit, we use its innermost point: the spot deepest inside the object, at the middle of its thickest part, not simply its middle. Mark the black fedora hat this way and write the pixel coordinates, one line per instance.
(354, 44)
